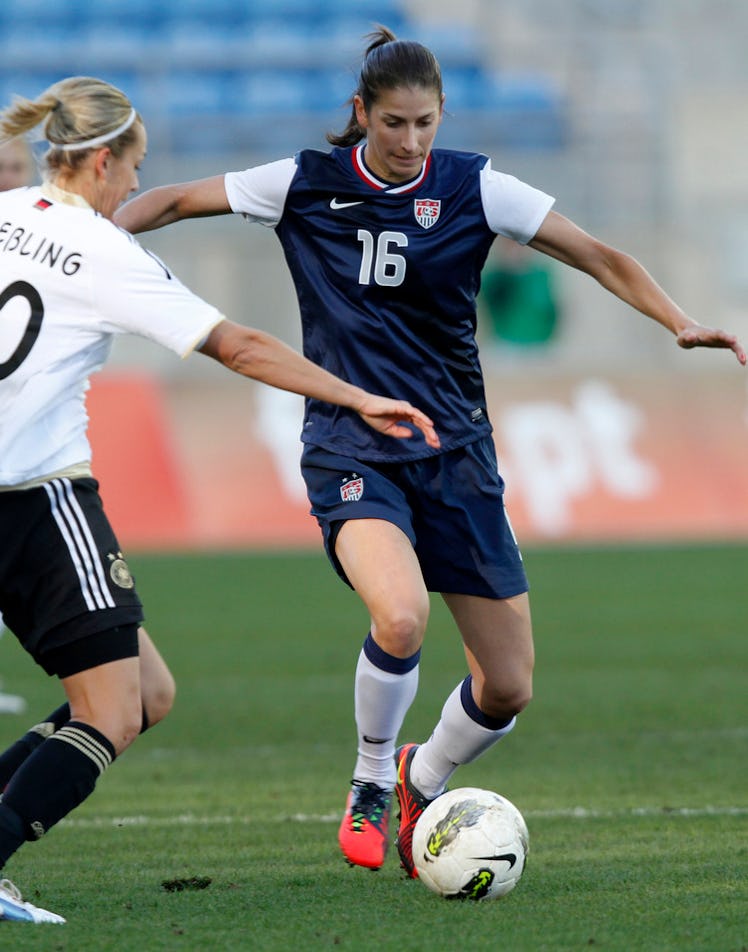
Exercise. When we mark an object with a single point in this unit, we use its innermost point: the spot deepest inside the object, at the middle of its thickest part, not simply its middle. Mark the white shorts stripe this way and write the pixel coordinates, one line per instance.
(77, 535)
(90, 544)
(62, 526)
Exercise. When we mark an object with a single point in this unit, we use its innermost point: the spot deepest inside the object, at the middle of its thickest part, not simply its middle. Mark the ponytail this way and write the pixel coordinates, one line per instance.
(78, 114)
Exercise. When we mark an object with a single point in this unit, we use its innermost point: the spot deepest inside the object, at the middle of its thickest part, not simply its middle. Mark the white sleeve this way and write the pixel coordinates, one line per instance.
(512, 208)
(140, 295)
(260, 193)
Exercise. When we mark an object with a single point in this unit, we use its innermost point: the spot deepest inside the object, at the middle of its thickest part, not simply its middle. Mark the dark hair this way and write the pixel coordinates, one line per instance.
(389, 63)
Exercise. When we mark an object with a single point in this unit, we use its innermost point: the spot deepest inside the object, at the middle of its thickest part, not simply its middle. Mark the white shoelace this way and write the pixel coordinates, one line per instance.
(11, 889)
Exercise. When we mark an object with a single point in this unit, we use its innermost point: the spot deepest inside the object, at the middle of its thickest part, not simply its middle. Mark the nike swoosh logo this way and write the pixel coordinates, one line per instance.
(510, 858)
(335, 204)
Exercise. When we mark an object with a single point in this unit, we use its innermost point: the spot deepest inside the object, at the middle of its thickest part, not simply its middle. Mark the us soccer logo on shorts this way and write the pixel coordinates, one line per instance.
(427, 211)
(353, 490)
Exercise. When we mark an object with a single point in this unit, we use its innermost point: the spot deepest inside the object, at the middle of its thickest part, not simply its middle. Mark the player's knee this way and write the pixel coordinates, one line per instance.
(505, 700)
(160, 699)
(120, 727)
(400, 631)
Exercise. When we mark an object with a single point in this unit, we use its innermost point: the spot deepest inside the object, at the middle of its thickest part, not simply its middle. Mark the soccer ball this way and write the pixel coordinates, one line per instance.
(470, 844)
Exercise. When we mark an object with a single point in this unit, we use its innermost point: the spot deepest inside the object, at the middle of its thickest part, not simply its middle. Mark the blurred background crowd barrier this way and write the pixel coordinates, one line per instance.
(630, 112)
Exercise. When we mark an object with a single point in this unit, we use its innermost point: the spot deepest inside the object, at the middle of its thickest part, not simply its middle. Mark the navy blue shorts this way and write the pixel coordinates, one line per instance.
(63, 579)
(450, 506)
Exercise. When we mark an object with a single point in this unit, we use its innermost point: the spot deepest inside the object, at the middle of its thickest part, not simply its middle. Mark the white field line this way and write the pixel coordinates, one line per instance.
(575, 813)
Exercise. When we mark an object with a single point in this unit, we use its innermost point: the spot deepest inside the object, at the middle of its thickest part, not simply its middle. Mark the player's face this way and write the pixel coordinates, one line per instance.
(122, 174)
(400, 128)
(16, 167)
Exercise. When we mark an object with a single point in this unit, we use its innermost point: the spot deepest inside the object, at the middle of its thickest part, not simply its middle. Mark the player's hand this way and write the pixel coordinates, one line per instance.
(698, 336)
(389, 416)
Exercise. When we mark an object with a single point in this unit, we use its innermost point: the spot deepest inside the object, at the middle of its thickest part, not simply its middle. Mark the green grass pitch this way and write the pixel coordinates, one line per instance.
(631, 768)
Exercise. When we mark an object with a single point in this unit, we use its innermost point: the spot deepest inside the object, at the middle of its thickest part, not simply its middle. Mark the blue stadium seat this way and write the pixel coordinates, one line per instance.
(191, 43)
(29, 83)
(270, 92)
(241, 69)
(465, 87)
(192, 92)
(28, 49)
(35, 13)
(532, 112)
(101, 46)
(454, 44)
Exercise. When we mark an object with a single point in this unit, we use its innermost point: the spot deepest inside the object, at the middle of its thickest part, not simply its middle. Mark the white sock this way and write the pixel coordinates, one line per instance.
(457, 739)
(385, 687)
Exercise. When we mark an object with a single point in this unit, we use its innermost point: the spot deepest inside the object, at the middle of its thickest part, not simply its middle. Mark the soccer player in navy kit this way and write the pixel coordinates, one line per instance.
(70, 280)
(385, 238)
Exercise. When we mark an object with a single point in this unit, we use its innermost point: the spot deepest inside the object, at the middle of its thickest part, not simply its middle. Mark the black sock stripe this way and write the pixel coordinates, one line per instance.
(86, 744)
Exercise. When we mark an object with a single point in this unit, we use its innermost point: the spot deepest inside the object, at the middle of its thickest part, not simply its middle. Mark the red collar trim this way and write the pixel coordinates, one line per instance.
(357, 157)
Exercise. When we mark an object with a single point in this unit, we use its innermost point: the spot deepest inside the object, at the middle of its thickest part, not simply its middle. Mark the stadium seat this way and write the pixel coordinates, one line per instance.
(455, 44)
(235, 67)
(191, 92)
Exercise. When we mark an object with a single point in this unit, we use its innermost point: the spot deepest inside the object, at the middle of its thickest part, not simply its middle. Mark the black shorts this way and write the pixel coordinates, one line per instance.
(62, 575)
(450, 506)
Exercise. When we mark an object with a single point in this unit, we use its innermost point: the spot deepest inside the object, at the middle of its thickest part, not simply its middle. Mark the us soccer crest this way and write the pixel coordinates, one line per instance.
(427, 211)
(352, 490)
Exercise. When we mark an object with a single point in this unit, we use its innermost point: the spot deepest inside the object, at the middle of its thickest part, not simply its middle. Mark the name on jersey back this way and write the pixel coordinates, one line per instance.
(38, 248)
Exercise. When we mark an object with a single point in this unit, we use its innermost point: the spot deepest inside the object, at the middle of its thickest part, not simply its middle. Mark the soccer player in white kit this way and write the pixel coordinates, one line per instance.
(16, 170)
(70, 280)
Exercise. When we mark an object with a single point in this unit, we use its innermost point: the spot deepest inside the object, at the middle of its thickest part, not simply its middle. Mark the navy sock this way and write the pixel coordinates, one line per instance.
(475, 713)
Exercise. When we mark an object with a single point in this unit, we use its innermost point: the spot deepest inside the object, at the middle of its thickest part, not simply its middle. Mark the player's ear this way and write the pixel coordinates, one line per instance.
(101, 162)
(361, 118)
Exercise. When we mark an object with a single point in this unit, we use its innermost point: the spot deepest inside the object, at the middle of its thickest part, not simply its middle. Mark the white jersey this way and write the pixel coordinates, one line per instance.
(69, 281)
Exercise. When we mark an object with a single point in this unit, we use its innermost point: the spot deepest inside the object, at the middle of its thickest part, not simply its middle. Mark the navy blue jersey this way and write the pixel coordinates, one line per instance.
(387, 278)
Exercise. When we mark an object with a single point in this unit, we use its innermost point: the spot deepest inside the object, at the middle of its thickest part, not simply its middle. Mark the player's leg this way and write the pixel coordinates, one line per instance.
(157, 687)
(366, 522)
(157, 697)
(70, 600)
(466, 547)
(380, 564)
(497, 636)
(106, 716)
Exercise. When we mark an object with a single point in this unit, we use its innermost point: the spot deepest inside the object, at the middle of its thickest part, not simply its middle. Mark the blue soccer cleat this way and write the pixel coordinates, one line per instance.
(14, 909)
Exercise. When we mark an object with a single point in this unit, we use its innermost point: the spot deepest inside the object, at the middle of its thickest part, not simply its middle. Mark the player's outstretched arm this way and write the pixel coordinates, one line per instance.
(627, 279)
(169, 203)
(254, 353)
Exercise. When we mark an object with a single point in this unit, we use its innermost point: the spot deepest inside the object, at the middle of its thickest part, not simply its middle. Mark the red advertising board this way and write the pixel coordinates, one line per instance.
(585, 459)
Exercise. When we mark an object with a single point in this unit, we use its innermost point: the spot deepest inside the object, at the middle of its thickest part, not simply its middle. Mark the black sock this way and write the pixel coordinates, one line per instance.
(12, 833)
(57, 777)
(12, 758)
